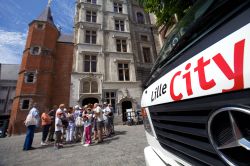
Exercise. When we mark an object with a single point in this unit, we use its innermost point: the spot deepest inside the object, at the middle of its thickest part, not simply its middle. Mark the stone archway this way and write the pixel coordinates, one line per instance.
(125, 105)
(90, 100)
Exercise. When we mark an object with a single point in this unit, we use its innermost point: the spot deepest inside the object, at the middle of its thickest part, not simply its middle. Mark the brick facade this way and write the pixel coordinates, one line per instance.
(50, 64)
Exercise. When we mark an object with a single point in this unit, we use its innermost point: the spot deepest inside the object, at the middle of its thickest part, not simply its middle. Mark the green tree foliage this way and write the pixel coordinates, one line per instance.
(166, 9)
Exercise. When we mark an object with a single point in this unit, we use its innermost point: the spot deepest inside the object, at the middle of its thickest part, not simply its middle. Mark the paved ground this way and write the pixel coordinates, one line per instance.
(123, 149)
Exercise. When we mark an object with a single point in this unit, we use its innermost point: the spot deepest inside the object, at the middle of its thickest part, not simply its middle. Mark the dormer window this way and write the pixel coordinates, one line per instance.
(35, 50)
(40, 26)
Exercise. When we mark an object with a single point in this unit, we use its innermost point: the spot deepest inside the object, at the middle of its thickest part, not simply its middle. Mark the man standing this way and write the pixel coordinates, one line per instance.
(52, 115)
(31, 122)
(99, 123)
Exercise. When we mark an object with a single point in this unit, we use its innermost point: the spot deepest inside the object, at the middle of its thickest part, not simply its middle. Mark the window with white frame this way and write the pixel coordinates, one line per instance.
(146, 54)
(25, 104)
(89, 87)
(90, 16)
(40, 26)
(90, 62)
(123, 71)
(29, 77)
(140, 18)
(121, 45)
(119, 25)
(91, 1)
(117, 7)
(90, 37)
(35, 50)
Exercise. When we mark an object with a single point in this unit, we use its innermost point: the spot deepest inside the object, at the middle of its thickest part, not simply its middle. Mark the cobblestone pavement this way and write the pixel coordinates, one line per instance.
(123, 149)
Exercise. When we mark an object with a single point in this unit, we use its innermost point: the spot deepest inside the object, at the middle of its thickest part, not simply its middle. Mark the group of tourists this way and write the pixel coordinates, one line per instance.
(70, 125)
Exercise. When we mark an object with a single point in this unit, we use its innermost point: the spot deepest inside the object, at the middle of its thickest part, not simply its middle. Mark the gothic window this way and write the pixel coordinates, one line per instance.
(25, 104)
(89, 87)
(90, 16)
(146, 54)
(119, 25)
(121, 45)
(140, 18)
(90, 37)
(94, 87)
(117, 7)
(86, 87)
(123, 72)
(35, 50)
(90, 62)
(144, 38)
(29, 77)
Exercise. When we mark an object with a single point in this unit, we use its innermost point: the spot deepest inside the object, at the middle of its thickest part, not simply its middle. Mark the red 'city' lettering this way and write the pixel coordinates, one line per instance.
(175, 97)
(204, 84)
(237, 75)
(187, 76)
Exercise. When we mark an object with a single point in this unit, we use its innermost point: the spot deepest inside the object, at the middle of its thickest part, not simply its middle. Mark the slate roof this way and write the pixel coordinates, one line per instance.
(46, 16)
(65, 38)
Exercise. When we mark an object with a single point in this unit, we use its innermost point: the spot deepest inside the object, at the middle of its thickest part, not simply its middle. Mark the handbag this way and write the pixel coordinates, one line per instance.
(30, 120)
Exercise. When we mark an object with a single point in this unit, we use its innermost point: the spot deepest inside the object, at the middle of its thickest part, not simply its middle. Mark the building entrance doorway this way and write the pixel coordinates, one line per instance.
(125, 105)
(90, 100)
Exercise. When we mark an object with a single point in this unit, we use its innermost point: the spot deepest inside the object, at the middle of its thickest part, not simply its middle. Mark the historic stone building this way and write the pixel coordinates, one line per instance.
(44, 75)
(114, 52)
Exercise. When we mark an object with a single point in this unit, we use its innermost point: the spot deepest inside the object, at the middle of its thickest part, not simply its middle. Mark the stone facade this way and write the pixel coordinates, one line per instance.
(121, 37)
(8, 80)
(108, 59)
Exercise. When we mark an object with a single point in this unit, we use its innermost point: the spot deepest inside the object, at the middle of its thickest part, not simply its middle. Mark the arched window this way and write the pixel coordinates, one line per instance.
(94, 87)
(140, 18)
(86, 87)
(89, 87)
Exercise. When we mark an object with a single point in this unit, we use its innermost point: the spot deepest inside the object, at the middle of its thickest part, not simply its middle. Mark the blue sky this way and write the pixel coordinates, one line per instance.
(15, 15)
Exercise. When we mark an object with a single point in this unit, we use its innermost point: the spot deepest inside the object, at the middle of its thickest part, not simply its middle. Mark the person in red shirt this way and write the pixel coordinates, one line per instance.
(46, 122)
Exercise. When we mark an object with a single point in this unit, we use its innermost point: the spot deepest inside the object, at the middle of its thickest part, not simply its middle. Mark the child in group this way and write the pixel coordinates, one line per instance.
(58, 130)
(87, 129)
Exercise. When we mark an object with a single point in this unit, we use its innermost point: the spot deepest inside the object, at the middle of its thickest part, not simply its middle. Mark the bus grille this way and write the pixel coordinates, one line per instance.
(181, 127)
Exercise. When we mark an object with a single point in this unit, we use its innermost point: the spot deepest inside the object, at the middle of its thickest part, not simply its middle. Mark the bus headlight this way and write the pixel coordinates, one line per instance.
(146, 122)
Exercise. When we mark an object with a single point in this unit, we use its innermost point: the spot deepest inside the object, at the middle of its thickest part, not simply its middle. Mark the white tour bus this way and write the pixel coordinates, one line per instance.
(196, 102)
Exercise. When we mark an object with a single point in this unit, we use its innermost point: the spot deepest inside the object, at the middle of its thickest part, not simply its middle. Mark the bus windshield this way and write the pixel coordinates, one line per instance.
(173, 39)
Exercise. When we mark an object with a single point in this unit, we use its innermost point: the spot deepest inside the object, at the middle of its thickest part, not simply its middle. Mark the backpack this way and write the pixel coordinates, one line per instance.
(79, 122)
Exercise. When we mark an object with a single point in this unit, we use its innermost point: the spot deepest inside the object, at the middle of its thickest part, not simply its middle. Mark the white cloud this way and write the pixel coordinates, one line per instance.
(11, 46)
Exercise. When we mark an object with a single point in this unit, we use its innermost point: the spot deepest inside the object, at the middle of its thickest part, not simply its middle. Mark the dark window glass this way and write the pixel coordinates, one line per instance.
(140, 18)
(87, 40)
(121, 75)
(35, 50)
(25, 104)
(90, 63)
(124, 46)
(93, 16)
(144, 38)
(146, 54)
(88, 16)
(30, 77)
(118, 7)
